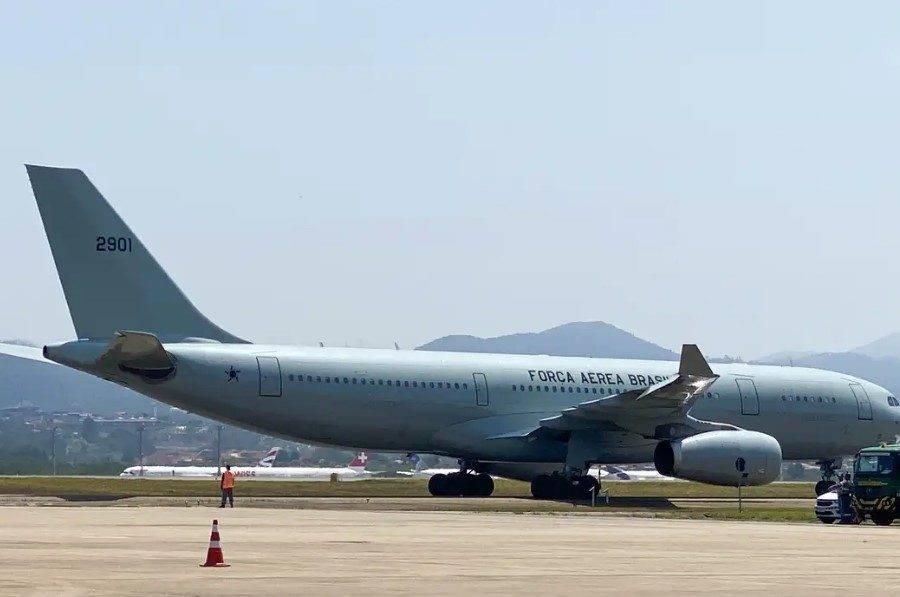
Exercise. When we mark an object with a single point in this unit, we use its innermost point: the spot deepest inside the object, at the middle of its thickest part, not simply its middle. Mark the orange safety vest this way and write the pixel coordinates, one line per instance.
(227, 480)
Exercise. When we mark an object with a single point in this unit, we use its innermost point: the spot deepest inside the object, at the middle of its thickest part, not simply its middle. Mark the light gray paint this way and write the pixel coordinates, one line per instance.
(492, 411)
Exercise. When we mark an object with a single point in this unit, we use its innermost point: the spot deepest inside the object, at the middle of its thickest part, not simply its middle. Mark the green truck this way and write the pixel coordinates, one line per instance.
(876, 483)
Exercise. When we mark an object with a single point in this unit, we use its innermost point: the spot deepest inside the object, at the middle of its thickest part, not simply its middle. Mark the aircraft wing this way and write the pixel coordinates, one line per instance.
(660, 411)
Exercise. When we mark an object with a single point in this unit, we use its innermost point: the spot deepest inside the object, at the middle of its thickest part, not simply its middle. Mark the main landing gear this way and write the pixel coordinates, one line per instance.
(560, 487)
(828, 474)
(461, 484)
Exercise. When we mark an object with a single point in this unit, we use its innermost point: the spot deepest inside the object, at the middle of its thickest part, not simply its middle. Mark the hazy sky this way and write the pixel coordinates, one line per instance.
(700, 172)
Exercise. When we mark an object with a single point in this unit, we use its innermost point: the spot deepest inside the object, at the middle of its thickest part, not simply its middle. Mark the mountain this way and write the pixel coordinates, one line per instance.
(888, 346)
(27, 377)
(883, 371)
(579, 339)
(785, 357)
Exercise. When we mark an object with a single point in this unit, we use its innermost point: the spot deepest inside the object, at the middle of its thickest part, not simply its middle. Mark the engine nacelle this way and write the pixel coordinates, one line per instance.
(721, 458)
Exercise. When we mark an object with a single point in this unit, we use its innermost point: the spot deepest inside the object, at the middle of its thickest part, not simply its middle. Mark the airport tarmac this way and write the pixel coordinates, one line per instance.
(138, 550)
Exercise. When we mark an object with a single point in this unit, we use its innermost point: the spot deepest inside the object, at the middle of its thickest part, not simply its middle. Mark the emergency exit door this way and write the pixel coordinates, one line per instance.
(863, 405)
(749, 396)
(269, 376)
(482, 398)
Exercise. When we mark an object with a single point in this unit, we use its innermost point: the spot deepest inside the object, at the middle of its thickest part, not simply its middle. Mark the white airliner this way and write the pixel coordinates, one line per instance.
(419, 469)
(609, 472)
(356, 469)
(542, 418)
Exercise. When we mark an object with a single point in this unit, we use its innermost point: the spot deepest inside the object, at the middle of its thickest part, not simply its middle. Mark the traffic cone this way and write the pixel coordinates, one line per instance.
(214, 557)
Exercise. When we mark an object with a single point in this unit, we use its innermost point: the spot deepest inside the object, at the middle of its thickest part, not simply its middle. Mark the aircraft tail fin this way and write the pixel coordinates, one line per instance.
(269, 459)
(111, 281)
(359, 461)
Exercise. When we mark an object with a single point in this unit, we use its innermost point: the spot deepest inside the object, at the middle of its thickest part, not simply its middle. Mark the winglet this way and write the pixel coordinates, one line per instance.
(693, 362)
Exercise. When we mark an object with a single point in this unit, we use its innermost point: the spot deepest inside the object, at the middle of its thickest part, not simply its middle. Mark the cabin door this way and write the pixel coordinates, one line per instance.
(269, 376)
(482, 398)
(863, 405)
(749, 396)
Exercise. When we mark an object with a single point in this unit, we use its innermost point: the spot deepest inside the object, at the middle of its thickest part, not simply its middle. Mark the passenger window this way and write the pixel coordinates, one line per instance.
(465, 386)
(456, 385)
(571, 390)
(309, 378)
(381, 382)
(354, 380)
(577, 390)
(346, 380)
(595, 390)
(318, 378)
(440, 384)
(554, 389)
(405, 384)
(291, 377)
(521, 388)
(514, 387)
(390, 383)
(415, 384)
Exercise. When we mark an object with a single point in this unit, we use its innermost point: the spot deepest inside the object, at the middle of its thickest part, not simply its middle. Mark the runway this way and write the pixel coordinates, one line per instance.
(136, 550)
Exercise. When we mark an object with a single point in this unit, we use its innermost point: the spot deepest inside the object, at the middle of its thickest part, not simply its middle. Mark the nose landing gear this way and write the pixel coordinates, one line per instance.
(828, 475)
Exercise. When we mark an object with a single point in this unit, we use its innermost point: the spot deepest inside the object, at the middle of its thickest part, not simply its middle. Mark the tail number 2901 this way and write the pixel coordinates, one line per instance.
(122, 244)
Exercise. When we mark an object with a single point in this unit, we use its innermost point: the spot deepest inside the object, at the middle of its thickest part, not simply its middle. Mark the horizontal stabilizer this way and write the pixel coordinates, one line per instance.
(139, 353)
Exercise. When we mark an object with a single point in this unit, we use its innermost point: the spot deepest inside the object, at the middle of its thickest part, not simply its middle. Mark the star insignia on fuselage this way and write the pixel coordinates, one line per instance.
(233, 374)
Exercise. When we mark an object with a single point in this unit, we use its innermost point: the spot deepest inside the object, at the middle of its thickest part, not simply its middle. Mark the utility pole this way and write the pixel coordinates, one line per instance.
(141, 448)
(53, 448)
(219, 450)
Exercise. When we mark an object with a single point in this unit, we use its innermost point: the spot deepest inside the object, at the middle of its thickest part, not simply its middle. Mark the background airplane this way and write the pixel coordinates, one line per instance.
(355, 469)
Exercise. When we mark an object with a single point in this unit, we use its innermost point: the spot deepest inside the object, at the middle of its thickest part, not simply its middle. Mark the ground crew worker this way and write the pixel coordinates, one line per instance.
(227, 485)
(845, 490)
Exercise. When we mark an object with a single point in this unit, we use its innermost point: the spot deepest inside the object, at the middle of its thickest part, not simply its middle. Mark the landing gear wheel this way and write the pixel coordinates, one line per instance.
(829, 469)
(822, 487)
(484, 485)
(437, 485)
(883, 519)
(540, 487)
(587, 487)
(456, 485)
(827, 519)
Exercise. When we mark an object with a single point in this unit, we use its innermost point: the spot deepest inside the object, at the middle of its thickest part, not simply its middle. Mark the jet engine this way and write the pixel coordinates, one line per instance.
(721, 458)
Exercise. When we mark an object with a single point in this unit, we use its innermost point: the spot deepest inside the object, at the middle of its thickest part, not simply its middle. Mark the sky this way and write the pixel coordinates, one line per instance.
(365, 172)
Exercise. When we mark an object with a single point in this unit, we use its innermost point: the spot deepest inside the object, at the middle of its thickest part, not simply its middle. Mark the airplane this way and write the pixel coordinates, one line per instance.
(539, 418)
(419, 469)
(263, 470)
(609, 472)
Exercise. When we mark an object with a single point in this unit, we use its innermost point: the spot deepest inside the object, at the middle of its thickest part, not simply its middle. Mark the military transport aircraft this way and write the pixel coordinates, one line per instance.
(541, 418)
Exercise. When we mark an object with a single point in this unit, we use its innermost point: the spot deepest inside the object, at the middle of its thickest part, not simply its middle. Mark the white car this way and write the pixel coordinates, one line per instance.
(827, 507)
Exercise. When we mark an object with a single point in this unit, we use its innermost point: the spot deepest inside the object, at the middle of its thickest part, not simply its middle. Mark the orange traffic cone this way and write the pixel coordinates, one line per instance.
(214, 557)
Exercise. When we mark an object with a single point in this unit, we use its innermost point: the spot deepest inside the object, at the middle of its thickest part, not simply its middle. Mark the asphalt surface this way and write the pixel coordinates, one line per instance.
(140, 550)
